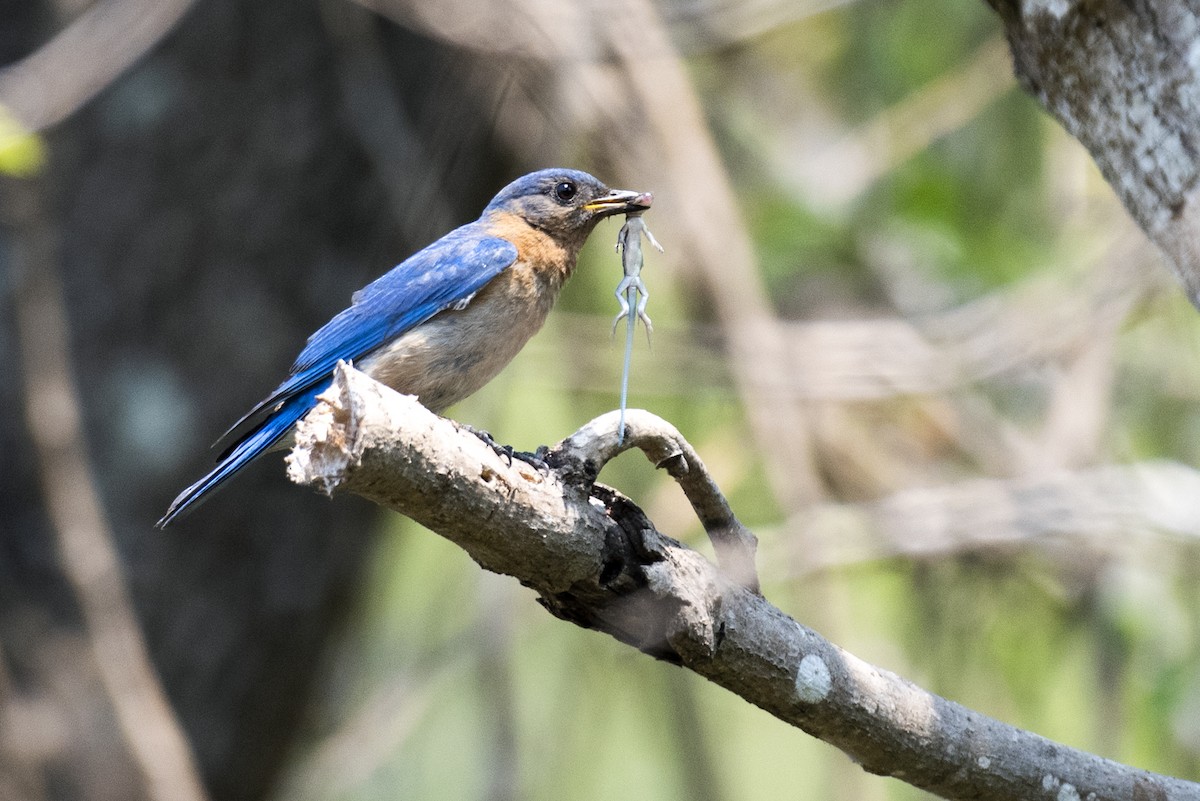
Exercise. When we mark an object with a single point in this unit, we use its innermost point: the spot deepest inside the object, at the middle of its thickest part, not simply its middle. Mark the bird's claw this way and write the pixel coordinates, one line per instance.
(534, 460)
(500, 450)
(487, 438)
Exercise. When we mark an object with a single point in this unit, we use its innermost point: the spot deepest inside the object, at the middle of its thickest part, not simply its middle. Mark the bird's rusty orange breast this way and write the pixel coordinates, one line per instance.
(542, 256)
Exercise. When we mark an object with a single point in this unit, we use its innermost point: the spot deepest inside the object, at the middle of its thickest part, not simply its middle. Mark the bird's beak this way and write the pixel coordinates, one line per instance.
(620, 201)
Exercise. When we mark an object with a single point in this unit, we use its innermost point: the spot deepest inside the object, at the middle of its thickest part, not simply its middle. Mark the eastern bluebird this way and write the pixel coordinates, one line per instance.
(447, 319)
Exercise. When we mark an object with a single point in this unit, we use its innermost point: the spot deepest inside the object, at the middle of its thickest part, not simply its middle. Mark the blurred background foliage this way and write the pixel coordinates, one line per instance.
(991, 376)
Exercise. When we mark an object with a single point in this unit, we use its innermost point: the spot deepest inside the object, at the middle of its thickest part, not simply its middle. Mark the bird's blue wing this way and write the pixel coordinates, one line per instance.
(255, 443)
(448, 272)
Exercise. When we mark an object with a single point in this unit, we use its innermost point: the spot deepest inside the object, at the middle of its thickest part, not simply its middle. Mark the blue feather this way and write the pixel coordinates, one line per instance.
(451, 269)
(448, 272)
(254, 444)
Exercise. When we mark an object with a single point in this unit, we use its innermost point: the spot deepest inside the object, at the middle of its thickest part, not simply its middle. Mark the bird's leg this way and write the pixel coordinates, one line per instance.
(534, 460)
(501, 450)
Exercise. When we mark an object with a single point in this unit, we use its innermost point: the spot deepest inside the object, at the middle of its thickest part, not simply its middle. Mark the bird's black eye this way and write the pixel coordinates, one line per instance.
(565, 190)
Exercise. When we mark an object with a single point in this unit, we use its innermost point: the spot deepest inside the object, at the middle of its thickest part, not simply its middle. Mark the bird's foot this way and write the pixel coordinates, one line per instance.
(500, 450)
(534, 460)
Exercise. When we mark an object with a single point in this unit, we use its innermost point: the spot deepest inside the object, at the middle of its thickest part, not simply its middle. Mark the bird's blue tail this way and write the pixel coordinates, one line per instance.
(246, 450)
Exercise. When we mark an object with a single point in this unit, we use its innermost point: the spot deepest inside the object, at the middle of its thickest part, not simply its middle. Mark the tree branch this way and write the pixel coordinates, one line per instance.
(1119, 76)
(594, 559)
(580, 457)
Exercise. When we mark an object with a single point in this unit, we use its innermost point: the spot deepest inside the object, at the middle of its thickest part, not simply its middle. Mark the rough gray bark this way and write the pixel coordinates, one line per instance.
(1121, 76)
(597, 561)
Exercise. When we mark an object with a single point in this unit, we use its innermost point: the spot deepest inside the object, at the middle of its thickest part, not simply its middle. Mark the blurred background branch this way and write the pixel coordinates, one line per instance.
(113, 637)
(108, 36)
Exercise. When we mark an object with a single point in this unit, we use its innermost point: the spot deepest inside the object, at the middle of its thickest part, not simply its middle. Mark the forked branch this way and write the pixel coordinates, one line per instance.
(595, 559)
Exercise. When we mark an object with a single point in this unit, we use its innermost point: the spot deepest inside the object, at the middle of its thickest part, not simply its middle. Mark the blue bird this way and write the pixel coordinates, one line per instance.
(447, 319)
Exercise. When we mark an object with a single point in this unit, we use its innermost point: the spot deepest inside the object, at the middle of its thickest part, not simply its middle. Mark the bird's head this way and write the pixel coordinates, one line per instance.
(564, 203)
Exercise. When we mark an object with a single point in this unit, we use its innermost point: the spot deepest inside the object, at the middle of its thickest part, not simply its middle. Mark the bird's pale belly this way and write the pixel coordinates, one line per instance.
(457, 352)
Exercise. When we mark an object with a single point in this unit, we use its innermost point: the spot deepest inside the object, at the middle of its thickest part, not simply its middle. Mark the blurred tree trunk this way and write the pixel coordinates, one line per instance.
(1121, 77)
(204, 214)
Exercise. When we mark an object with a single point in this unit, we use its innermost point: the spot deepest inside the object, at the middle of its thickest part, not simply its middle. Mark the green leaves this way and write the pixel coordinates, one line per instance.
(22, 152)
